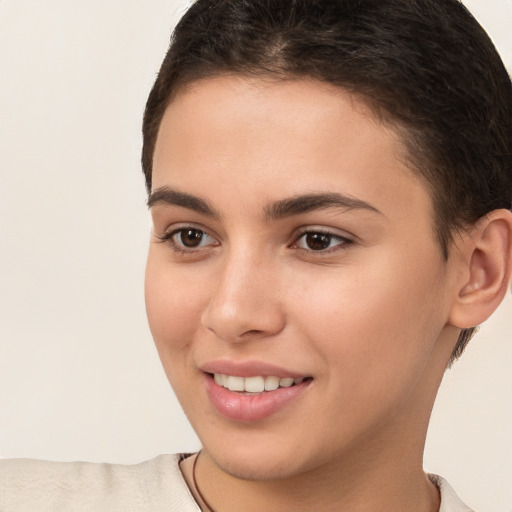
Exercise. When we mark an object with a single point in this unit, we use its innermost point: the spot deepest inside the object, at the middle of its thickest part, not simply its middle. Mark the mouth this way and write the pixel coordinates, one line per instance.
(255, 385)
(256, 397)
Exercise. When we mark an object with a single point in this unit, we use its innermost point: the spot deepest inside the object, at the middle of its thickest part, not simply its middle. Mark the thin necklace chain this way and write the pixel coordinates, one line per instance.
(210, 508)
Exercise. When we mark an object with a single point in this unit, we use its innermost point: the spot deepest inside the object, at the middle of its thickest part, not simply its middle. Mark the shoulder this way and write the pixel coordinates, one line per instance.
(156, 484)
(450, 502)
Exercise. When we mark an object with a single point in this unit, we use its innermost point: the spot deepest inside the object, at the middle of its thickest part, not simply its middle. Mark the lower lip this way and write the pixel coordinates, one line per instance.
(251, 408)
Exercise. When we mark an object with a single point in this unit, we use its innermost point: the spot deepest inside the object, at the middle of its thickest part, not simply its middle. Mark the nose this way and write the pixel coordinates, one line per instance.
(245, 300)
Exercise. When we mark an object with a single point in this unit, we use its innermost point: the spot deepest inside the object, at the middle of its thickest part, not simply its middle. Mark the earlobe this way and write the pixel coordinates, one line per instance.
(488, 261)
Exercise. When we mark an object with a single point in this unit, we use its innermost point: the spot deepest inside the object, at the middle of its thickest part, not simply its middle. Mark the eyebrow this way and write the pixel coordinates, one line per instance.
(288, 207)
(168, 196)
(311, 202)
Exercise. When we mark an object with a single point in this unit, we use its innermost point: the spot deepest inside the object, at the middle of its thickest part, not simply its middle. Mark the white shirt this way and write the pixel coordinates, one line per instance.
(156, 485)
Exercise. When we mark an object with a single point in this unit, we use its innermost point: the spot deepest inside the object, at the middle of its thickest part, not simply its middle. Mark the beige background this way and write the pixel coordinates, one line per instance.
(79, 377)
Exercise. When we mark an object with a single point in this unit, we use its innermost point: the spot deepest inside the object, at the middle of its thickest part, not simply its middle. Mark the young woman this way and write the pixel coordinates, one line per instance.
(330, 184)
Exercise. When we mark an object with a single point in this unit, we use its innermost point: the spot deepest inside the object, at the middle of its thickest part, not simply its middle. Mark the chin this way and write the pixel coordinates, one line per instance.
(259, 456)
(258, 468)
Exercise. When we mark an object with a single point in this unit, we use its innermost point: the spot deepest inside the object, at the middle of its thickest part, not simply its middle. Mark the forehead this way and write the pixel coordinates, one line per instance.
(233, 137)
(279, 104)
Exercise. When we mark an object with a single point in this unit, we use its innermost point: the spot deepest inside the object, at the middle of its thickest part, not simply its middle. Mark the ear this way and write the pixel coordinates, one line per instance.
(486, 269)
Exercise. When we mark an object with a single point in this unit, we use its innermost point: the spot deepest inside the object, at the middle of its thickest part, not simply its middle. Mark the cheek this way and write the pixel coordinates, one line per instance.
(173, 306)
(379, 322)
(372, 356)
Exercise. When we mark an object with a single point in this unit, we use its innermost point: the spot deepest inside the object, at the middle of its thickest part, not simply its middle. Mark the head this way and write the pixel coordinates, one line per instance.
(424, 67)
(331, 182)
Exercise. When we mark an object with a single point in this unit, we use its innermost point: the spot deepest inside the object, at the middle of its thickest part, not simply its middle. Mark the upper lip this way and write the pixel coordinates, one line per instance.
(248, 369)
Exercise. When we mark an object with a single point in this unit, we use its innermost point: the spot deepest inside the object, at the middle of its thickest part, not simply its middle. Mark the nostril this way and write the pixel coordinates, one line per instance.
(252, 332)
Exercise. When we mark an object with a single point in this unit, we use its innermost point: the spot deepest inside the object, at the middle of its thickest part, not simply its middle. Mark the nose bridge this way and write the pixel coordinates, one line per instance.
(244, 300)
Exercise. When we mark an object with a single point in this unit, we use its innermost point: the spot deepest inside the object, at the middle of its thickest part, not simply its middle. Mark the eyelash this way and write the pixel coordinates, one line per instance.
(343, 242)
(169, 239)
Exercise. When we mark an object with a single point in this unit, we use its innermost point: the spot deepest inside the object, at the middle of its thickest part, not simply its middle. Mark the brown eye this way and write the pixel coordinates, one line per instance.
(318, 241)
(190, 238)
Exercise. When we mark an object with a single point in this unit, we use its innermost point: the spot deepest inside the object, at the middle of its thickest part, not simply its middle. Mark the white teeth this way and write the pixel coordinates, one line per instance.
(235, 383)
(271, 383)
(286, 382)
(254, 385)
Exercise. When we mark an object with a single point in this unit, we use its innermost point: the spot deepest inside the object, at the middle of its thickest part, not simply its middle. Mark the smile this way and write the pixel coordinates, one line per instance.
(257, 384)
(253, 398)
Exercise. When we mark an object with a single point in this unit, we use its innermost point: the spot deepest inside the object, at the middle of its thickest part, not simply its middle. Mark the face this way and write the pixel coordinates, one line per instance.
(292, 244)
